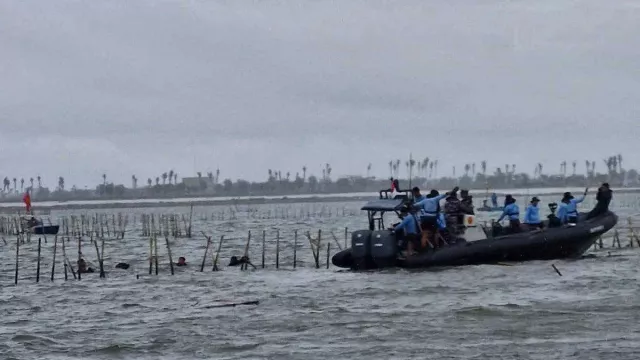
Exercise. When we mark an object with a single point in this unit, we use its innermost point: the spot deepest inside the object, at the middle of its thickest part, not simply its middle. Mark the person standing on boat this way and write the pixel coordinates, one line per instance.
(466, 202)
(417, 196)
(603, 198)
(532, 215)
(568, 209)
(411, 227)
(512, 211)
(453, 212)
(429, 210)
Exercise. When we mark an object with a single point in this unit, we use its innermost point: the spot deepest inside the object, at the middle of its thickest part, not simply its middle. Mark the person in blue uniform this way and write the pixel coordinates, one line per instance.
(532, 215)
(511, 211)
(429, 211)
(417, 196)
(410, 225)
(568, 209)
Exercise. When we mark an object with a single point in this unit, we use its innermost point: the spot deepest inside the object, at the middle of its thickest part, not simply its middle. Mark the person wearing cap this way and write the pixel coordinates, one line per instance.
(568, 209)
(429, 210)
(511, 211)
(411, 228)
(532, 215)
(603, 198)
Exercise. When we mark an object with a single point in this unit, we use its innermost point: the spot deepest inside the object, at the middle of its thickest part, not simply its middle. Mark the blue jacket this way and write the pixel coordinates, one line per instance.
(532, 215)
(442, 222)
(567, 210)
(409, 224)
(418, 199)
(429, 206)
(512, 211)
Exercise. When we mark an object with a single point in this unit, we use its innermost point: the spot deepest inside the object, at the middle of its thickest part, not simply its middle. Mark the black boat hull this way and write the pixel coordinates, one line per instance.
(549, 244)
(45, 229)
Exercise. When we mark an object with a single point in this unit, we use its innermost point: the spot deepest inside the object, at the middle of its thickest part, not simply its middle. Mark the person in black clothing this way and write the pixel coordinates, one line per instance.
(603, 199)
(466, 202)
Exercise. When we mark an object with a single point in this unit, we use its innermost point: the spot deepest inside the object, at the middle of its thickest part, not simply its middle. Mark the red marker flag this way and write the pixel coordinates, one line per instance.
(27, 201)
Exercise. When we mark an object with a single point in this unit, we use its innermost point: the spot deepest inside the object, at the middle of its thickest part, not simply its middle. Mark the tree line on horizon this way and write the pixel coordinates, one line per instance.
(424, 173)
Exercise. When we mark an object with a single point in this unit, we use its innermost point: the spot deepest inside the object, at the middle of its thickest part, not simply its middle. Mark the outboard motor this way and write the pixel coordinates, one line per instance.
(361, 250)
(384, 248)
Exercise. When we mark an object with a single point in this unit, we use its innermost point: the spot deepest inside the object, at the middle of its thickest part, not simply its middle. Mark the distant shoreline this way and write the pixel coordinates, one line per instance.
(12, 207)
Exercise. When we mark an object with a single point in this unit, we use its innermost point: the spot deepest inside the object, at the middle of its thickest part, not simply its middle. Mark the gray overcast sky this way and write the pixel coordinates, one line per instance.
(142, 87)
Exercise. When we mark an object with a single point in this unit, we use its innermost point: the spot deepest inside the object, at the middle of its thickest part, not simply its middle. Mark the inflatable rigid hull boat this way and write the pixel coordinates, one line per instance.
(377, 249)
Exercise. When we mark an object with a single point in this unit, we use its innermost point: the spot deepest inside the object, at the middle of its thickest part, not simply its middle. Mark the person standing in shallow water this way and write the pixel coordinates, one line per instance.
(532, 215)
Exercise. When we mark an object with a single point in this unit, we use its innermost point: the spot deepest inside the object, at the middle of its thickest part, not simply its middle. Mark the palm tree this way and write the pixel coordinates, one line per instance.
(436, 168)
(134, 181)
(397, 167)
(104, 179)
(61, 183)
(513, 168)
(39, 181)
(288, 176)
(454, 172)
(412, 164)
(217, 175)
(157, 181)
(15, 185)
(170, 176)
(31, 182)
(620, 162)
(175, 178)
(368, 170)
(270, 172)
(5, 184)
(304, 173)
(593, 167)
(431, 165)
(506, 168)
(406, 164)
(21, 184)
(391, 168)
(149, 182)
(483, 166)
(587, 164)
(210, 176)
(473, 169)
(164, 178)
(467, 168)
(574, 164)
(540, 169)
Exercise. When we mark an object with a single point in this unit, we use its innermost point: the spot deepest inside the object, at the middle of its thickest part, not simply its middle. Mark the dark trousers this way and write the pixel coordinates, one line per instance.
(572, 219)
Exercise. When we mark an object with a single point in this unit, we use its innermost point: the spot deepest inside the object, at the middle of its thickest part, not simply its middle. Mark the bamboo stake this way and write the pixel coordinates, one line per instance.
(155, 246)
(17, 257)
(38, 266)
(53, 263)
(215, 261)
(150, 254)
(169, 253)
(295, 248)
(264, 240)
(277, 249)
(328, 253)
(245, 266)
(206, 250)
(79, 257)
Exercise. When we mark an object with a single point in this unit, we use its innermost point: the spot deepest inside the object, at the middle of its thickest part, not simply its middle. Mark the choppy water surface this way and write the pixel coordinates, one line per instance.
(524, 311)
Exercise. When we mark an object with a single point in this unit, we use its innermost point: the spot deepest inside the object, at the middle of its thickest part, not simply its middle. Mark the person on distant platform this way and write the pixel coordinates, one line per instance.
(568, 209)
(603, 198)
(411, 227)
(512, 211)
(532, 215)
(494, 200)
